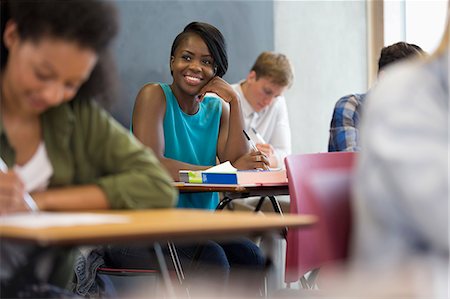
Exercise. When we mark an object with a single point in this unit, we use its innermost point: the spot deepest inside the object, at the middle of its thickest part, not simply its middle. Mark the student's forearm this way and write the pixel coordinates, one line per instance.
(174, 166)
(236, 144)
(89, 197)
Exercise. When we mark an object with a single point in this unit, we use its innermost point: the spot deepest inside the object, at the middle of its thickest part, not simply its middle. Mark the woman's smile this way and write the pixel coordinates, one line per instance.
(193, 80)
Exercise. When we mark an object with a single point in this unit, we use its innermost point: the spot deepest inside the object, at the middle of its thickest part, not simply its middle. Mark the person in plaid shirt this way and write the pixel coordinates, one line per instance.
(344, 132)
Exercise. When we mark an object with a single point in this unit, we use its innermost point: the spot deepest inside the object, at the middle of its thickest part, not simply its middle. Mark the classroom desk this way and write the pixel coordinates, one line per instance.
(239, 191)
(154, 226)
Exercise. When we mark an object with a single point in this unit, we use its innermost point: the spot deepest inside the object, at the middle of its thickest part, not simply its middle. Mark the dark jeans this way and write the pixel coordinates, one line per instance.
(238, 265)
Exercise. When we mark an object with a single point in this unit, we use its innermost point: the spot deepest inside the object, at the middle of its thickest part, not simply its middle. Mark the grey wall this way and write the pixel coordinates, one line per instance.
(327, 43)
(325, 40)
(148, 29)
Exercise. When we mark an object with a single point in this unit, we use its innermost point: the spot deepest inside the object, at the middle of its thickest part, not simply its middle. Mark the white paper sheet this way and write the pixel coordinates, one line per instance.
(46, 219)
(225, 167)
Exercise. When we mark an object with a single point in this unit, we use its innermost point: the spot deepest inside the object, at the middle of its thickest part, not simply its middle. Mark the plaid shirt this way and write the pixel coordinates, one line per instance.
(344, 134)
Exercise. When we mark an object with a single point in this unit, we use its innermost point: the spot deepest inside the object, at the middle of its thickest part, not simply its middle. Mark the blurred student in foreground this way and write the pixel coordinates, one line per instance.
(58, 144)
(344, 127)
(401, 189)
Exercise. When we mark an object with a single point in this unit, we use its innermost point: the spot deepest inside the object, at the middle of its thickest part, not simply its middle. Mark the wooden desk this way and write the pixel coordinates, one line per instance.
(154, 226)
(239, 191)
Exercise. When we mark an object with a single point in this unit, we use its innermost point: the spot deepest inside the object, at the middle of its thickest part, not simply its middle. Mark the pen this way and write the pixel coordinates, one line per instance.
(258, 136)
(252, 144)
(26, 196)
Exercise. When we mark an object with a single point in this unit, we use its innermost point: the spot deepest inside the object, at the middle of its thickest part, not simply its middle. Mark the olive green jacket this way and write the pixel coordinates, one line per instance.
(87, 146)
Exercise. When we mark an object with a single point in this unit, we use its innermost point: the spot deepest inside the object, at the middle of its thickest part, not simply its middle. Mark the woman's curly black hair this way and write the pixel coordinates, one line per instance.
(90, 23)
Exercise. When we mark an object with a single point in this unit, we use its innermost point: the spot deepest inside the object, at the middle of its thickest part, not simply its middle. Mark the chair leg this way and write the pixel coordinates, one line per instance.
(164, 271)
(312, 278)
(223, 203)
(176, 262)
(304, 283)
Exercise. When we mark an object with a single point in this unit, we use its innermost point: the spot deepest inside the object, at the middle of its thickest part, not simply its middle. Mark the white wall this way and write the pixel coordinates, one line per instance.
(326, 42)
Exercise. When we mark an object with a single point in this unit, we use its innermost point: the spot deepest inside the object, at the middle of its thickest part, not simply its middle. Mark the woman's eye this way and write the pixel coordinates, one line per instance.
(70, 87)
(186, 57)
(43, 77)
(207, 62)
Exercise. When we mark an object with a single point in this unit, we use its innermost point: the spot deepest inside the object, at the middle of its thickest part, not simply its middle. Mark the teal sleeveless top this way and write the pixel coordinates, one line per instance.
(192, 139)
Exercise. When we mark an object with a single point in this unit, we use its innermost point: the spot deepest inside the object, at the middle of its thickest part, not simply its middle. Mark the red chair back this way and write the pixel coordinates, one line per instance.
(319, 184)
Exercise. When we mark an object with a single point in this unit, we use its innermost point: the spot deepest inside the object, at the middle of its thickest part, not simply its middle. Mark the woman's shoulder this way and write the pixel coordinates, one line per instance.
(151, 89)
(151, 92)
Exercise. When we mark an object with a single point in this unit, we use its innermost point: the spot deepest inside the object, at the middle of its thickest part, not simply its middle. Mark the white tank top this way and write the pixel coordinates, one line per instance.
(36, 173)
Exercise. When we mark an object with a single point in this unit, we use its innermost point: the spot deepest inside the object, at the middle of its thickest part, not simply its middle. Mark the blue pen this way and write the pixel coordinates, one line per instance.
(26, 196)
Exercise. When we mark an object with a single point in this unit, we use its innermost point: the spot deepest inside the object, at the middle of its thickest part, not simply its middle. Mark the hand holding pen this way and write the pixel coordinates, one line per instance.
(255, 159)
(13, 198)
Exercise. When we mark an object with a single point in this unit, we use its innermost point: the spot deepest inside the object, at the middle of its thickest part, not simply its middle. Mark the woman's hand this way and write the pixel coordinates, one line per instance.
(11, 193)
(220, 87)
(252, 160)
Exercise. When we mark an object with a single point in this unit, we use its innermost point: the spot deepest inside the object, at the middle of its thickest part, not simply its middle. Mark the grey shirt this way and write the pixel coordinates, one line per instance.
(401, 192)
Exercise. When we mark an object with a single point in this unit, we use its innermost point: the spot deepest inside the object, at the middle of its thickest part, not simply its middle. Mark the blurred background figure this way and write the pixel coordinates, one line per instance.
(264, 106)
(344, 127)
(402, 202)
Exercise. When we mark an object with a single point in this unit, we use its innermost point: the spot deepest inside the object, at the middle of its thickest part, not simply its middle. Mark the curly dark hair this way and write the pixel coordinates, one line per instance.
(90, 23)
(213, 39)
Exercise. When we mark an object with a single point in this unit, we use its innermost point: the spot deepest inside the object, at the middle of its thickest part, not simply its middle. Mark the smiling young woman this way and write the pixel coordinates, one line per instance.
(188, 128)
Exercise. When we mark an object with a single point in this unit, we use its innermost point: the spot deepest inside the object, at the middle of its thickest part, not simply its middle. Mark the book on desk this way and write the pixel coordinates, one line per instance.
(229, 175)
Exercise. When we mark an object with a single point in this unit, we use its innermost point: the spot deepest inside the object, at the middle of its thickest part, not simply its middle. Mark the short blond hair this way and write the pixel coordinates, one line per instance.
(274, 66)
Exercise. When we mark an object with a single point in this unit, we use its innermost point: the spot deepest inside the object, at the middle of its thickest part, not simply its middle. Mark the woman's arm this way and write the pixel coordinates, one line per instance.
(110, 169)
(87, 197)
(148, 118)
(231, 143)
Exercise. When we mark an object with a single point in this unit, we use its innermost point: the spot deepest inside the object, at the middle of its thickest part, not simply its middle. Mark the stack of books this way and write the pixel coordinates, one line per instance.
(227, 175)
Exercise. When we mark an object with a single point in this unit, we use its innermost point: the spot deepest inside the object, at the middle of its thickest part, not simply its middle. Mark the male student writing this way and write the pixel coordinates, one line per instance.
(264, 107)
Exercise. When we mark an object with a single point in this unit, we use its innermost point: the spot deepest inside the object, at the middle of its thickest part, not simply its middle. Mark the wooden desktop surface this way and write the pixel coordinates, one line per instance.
(158, 225)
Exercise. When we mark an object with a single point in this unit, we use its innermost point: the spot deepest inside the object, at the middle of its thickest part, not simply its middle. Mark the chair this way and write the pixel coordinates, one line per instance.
(145, 272)
(319, 184)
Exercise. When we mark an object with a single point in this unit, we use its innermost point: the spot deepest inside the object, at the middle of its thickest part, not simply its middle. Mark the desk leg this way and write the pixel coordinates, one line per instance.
(260, 203)
(223, 203)
(277, 208)
(164, 271)
(275, 204)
